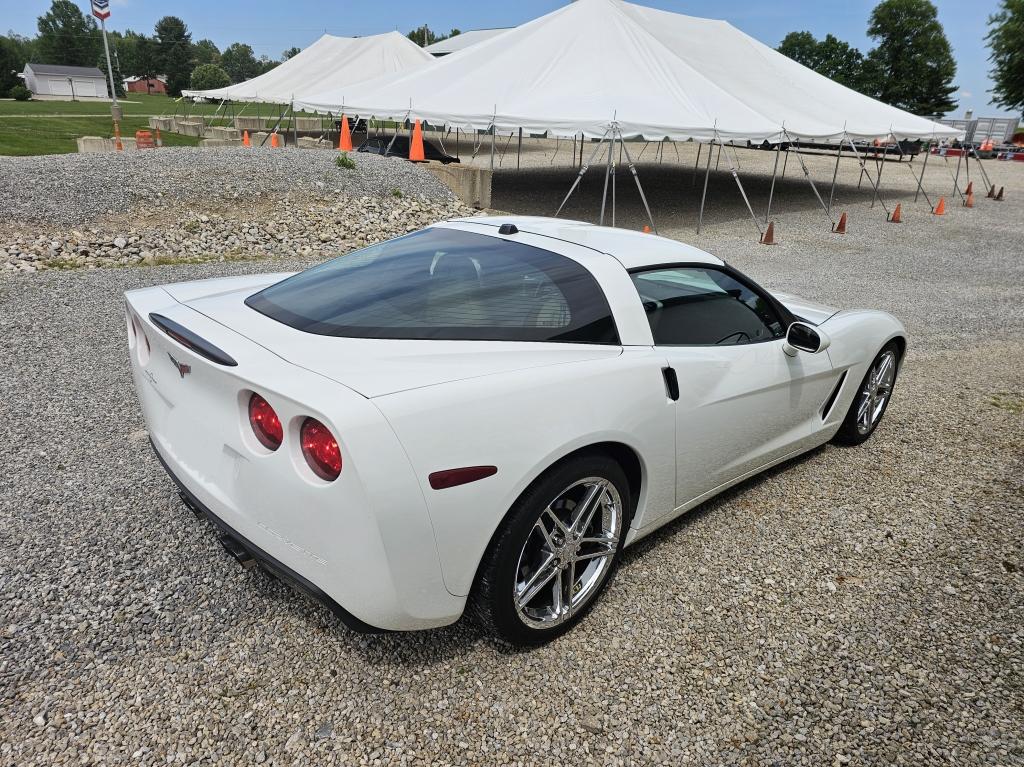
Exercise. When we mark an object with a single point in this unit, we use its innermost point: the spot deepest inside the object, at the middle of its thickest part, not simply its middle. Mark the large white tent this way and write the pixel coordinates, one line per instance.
(330, 62)
(462, 41)
(595, 64)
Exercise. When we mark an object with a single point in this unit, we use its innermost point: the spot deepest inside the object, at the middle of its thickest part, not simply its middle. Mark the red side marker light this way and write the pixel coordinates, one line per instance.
(320, 449)
(441, 480)
(265, 423)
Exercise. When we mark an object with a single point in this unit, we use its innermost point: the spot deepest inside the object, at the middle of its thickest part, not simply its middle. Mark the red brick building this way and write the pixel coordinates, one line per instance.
(142, 85)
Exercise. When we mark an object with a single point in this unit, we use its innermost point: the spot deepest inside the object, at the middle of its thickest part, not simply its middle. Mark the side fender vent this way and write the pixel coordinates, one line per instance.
(827, 407)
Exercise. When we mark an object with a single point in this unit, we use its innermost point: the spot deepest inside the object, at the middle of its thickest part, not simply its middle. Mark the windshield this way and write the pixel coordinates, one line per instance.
(445, 284)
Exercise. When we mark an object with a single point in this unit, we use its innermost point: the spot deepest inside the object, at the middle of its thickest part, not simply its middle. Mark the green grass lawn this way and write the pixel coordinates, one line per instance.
(51, 127)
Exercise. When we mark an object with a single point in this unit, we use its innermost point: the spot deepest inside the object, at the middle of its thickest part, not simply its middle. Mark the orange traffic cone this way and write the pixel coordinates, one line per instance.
(245, 139)
(940, 209)
(416, 148)
(647, 229)
(897, 215)
(840, 228)
(159, 140)
(991, 192)
(969, 201)
(768, 238)
(274, 141)
(970, 189)
(999, 197)
(345, 140)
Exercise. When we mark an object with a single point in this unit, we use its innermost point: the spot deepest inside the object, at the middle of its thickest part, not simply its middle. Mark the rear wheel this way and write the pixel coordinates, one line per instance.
(555, 552)
(872, 398)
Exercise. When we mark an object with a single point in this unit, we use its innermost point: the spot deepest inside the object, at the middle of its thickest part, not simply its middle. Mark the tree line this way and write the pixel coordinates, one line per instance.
(68, 37)
(912, 65)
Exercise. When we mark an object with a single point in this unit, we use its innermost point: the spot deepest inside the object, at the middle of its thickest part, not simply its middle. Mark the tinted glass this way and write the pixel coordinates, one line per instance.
(445, 284)
(695, 306)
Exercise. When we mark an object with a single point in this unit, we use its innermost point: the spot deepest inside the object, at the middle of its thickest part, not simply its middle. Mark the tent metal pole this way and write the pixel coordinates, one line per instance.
(956, 186)
(924, 167)
(920, 189)
(719, 158)
(640, 189)
(614, 180)
(696, 165)
(579, 176)
(874, 182)
(519, 154)
(704, 194)
(734, 169)
(493, 132)
(607, 176)
(878, 190)
(981, 167)
(956, 178)
(807, 175)
(771, 191)
(835, 174)
(785, 162)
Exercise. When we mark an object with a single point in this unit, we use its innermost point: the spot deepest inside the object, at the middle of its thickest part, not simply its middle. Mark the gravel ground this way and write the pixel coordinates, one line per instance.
(858, 606)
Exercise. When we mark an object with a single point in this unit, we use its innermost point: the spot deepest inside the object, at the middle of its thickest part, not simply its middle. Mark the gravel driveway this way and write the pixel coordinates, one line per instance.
(858, 606)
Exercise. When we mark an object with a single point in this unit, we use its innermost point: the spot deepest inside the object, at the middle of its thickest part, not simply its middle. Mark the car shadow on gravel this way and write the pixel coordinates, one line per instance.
(664, 534)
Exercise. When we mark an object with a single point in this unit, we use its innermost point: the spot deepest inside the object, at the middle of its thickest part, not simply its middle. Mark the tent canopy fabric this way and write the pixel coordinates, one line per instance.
(462, 41)
(652, 74)
(330, 62)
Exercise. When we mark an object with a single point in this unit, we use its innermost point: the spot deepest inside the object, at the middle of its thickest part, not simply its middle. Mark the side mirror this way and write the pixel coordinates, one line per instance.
(802, 337)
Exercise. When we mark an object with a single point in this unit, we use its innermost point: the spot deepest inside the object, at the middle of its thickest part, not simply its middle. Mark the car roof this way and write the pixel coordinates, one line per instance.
(632, 249)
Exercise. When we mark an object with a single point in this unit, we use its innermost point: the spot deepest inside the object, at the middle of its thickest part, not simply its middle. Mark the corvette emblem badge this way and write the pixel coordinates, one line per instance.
(183, 370)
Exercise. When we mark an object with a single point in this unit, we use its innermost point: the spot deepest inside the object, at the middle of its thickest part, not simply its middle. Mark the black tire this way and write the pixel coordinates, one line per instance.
(492, 598)
(849, 433)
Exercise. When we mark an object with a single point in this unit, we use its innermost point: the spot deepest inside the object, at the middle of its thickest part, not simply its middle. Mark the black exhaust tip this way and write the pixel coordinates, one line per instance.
(235, 549)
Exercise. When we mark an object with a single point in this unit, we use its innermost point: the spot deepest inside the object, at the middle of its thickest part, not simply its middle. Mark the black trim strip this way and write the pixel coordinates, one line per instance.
(671, 383)
(827, 407)
(192, 341)
(266, 561)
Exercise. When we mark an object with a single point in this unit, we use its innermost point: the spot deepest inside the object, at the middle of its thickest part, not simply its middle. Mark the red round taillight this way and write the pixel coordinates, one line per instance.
(265, 423)
(320, 449)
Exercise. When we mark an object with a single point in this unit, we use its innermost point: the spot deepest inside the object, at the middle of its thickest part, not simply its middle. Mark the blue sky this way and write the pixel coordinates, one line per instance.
(271, 26)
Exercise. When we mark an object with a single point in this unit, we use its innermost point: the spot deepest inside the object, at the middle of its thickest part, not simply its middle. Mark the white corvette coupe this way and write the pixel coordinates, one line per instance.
(487, 410)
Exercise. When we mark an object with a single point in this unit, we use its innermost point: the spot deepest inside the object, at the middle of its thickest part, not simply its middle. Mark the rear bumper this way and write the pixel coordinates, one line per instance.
(265, 560)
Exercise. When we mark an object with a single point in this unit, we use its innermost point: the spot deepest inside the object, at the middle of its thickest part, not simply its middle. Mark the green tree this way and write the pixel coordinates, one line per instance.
(68, 37)
(208, 77)
(174, 52)
(1006, 41)
(206, 52)
(913, 60)
(424, 36)
(239, 62)
(290, 53)
(831, 57)
(13, 55)
(265, 64)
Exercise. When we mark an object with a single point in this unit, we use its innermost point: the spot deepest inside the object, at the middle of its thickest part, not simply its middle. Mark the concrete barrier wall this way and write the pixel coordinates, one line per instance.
(250, 123)
(165, 124)
(188, 127)
(471, 185)
(216, 143)
(308, 124)
(308, 142)
(219, 132)
(98, 144)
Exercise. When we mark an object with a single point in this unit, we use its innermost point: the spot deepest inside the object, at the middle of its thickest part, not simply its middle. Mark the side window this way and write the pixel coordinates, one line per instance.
(703, 306)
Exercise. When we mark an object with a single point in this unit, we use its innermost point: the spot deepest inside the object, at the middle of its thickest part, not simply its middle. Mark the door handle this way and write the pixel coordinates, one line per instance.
(671, 383)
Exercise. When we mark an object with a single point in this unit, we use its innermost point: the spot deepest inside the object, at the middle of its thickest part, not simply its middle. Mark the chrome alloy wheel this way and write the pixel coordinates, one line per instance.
(876, 391)
(568, 553)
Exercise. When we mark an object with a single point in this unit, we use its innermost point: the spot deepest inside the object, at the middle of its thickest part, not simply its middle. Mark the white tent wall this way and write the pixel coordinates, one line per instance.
(653, 74)
(329, 62)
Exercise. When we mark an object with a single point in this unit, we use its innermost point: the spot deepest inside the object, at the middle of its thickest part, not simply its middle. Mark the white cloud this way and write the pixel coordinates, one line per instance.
(963, 94)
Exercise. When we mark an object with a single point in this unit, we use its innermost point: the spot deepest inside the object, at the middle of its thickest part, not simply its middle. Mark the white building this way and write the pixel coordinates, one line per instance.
(65, 82)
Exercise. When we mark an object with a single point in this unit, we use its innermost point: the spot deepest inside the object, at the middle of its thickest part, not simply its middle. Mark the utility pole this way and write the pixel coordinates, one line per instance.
(101, 10)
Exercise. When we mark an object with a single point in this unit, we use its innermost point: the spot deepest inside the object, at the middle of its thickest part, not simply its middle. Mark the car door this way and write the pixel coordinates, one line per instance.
(742, 401)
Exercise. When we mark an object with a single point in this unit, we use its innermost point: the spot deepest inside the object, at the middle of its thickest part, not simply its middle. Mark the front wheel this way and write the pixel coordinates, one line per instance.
(555, 552)
(872, 398)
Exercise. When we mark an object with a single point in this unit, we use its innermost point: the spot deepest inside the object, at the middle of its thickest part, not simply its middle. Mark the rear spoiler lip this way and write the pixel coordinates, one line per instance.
(192, 341)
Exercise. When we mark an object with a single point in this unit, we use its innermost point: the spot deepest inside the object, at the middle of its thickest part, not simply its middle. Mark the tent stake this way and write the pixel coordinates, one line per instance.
(640, 189)
(696, 165)
(704, 195)
(579, 176)
(771, 191)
